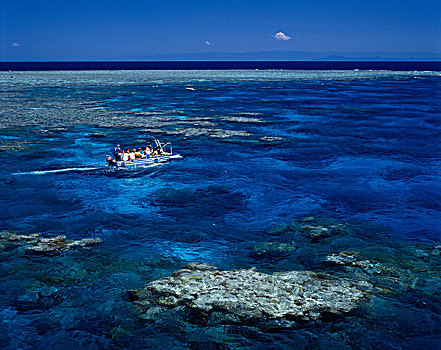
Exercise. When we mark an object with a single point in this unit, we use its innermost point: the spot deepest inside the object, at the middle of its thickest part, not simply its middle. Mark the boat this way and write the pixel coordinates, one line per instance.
(161, 154)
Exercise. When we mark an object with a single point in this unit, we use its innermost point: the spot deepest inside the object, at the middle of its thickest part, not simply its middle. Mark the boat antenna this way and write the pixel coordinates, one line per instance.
(159, 145)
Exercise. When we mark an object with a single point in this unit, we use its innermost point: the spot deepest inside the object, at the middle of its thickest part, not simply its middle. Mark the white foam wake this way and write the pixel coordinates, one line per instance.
(43, 172)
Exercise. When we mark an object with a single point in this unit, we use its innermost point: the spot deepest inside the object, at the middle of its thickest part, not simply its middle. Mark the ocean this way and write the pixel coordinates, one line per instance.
(263, 153)
(221, 65)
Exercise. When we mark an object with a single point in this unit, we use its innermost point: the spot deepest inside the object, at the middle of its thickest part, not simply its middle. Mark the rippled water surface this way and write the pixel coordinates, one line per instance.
(260, 149)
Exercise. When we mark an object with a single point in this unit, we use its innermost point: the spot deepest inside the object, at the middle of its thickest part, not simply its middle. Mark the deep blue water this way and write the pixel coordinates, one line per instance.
(223, 65)
(260, 149)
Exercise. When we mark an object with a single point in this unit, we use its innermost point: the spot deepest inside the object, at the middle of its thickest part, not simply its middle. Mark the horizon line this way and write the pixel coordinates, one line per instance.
(219, 65)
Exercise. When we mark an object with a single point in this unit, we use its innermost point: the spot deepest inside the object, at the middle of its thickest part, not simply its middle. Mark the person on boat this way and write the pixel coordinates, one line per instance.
(117, 152)
(149, 148)
(138, 153)
(157, 151)
(125, 155)
(132, 155)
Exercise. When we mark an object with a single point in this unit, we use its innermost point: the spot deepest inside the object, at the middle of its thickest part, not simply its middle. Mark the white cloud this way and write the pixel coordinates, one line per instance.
(207, 43)
(282, 36)
(15, 45)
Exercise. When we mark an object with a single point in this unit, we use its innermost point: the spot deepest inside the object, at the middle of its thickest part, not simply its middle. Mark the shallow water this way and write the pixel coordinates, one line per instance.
(260, 149)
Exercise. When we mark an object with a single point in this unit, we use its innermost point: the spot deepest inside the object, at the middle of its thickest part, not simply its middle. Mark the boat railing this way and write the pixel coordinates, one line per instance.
(162, 146)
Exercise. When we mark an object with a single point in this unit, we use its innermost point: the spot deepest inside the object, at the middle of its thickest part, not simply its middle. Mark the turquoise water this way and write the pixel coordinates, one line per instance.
(260, 149)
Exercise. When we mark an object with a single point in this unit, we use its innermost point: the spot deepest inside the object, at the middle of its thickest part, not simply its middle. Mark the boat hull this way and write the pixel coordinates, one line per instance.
(145, 161)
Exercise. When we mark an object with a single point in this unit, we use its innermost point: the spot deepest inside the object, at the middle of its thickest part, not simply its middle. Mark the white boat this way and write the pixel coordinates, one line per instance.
(160, 156)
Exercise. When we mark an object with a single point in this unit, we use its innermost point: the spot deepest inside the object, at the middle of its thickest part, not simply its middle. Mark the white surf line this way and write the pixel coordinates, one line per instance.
(43, 172)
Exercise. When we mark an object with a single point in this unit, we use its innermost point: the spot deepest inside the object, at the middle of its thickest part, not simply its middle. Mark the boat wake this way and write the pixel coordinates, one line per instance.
(65, 170)
(44, 172)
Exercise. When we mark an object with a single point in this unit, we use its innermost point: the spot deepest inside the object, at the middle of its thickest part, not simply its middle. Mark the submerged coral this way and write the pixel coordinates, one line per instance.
(242, 296)
(36, 244)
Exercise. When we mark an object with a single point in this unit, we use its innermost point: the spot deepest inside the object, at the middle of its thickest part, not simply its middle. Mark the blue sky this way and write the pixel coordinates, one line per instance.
(111, 29)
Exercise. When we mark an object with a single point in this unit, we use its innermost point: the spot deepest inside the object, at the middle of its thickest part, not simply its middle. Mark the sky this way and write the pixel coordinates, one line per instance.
(33, 30)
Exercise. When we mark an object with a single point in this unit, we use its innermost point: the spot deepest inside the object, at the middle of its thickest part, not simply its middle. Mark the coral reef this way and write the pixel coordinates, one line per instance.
(36, 244)
(246, 295)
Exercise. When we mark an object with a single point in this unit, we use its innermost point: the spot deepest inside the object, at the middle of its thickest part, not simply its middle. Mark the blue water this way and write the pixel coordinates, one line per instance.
(220, 65)
(260, 149)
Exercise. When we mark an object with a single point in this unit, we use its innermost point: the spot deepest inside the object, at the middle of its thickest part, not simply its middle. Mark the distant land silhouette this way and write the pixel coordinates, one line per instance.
(289, 56)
